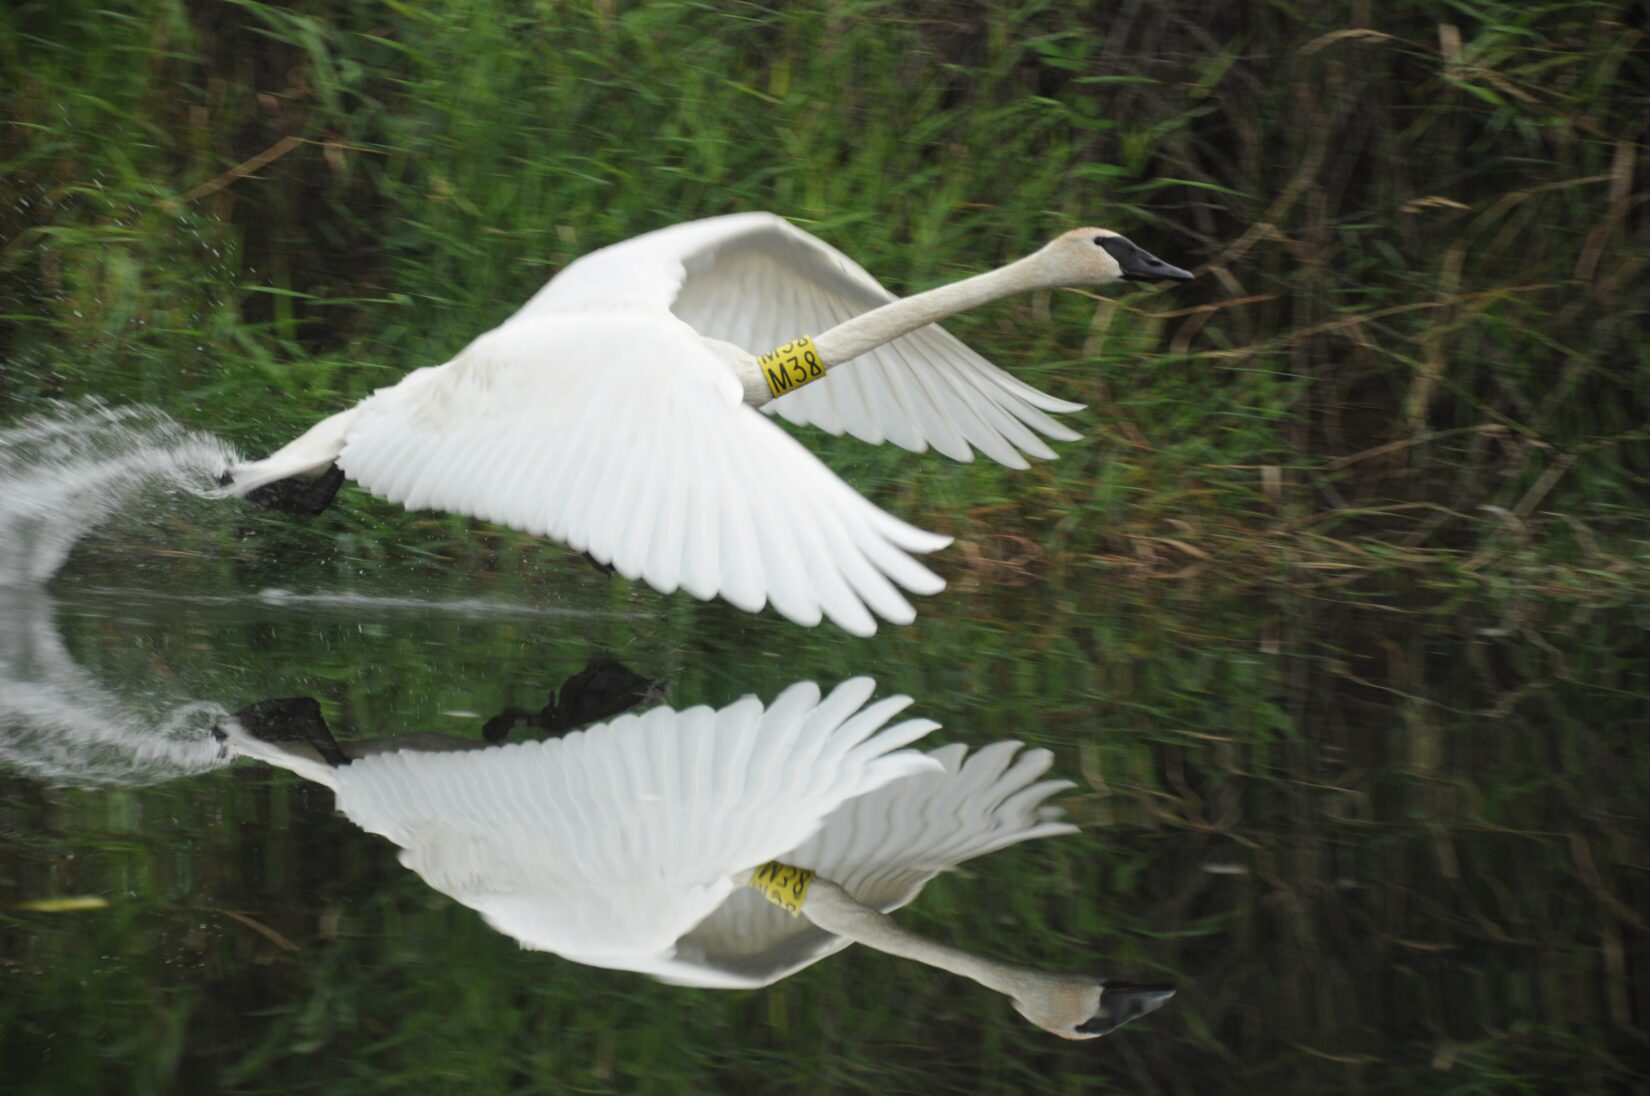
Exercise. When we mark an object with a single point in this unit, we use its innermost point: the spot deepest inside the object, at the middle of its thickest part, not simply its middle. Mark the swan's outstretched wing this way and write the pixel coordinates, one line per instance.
(608, 844)
(882, 848)
(625, 437)
(755, 280)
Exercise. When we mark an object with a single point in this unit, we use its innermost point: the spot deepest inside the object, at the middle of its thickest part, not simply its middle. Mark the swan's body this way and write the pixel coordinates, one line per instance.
(608, 845)
(617, 413)
(628, 845)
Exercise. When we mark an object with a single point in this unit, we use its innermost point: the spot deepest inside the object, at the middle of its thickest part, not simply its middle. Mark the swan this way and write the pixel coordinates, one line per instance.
(618, 413)
(724, 849)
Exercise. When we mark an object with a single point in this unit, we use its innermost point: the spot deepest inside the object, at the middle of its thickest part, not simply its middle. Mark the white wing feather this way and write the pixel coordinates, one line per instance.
(607, 845)
(882, 848)
(624, 436)
(755, 280)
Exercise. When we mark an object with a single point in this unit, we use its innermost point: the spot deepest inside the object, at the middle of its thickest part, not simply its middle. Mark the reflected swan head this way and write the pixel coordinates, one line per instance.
(1087, 1009)
(653, 842)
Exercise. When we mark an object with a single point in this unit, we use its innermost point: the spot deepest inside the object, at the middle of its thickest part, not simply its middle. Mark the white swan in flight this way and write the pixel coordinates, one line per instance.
(650, 842)
(617, 413)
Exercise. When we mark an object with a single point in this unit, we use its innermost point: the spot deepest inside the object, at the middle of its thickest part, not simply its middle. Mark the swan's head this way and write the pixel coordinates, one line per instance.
(1099, 256)
(1082, 1008)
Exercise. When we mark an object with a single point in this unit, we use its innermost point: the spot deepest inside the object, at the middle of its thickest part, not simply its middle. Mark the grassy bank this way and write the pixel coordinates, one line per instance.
(1416, 345)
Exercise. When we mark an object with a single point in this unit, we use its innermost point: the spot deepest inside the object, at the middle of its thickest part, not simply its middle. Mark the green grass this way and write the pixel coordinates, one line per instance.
(1423, 240)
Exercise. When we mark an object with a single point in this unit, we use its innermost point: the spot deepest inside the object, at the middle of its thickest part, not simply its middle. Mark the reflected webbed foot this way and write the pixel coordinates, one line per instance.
(291, 719)
(498, 729)
(605, 687)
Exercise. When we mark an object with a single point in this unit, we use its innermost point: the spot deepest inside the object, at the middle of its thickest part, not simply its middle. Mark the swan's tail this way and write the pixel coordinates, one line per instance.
(310, 455)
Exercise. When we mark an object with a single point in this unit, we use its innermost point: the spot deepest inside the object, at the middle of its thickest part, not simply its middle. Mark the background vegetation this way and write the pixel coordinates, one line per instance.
(1416, 343)
(1337, 614)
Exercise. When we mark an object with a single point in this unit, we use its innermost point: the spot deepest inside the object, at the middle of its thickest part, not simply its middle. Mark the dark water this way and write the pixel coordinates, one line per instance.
(1374, 847)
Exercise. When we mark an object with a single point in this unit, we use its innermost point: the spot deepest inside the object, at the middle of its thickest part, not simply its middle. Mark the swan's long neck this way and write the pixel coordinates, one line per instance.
(866, 332)
(1035, 992)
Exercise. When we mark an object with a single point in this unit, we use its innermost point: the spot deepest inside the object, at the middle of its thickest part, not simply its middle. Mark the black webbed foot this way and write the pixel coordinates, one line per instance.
(604, 688)
(604, 568)
(304, 496)
(294, 719)
(497, 729)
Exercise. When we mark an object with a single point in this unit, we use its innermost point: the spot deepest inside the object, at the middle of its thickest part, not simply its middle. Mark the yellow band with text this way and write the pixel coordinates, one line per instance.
(783, 885)
(789, 367)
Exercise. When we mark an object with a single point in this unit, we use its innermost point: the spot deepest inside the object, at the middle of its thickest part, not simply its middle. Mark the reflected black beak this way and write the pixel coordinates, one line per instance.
(1121, 1002)
(1140, 265)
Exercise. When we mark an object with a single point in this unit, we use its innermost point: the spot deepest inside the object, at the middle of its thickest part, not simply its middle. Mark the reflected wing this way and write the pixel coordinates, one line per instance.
(754, 280)
(625, 438)
(882, 848)
(608, 844)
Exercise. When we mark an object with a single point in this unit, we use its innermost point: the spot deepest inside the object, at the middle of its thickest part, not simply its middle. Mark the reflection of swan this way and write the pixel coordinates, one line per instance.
(63, 724)
(628, 845)
(58, 723)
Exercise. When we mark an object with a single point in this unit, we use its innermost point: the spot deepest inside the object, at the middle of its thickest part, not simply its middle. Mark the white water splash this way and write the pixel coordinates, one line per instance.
(58, 724)
(67, 471)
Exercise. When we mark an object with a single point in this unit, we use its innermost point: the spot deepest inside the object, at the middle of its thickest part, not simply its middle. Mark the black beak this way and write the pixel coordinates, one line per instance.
(1121, 1002)
(1140, 265)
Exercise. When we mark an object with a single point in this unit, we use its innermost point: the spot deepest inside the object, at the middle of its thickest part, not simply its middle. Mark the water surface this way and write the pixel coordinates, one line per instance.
(1371, 845)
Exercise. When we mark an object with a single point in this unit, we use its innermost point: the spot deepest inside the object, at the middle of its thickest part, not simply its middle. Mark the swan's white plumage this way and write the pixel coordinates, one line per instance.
(882, 848)
(629, 440)
(609, 844)
(757, 281)
(622, 846)
(610, 414)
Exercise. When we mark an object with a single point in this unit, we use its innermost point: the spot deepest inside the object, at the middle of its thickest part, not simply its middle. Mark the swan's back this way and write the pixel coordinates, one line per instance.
(756, 281)
(646, 271)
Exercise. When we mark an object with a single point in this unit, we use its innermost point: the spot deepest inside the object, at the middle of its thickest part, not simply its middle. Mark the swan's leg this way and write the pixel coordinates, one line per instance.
(304, 496)
(294, 719)
(497, 729)
(604, 688)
